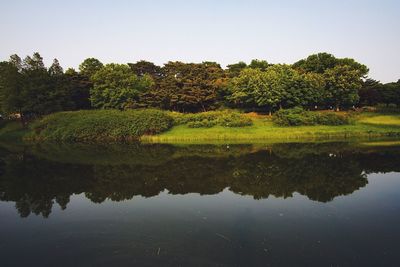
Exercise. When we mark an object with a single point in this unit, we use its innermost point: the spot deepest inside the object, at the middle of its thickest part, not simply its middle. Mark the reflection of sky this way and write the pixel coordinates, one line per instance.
(187, 30)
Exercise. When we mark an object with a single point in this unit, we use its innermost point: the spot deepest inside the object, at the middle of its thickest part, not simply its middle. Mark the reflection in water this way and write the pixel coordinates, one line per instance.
(37, 177)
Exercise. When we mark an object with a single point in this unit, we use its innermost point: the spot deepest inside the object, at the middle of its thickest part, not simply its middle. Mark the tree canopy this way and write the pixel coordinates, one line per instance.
(321, 80)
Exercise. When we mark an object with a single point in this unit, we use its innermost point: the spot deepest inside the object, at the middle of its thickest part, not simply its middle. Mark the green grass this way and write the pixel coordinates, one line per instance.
(100, 126)
(366, 125)
(389, 120)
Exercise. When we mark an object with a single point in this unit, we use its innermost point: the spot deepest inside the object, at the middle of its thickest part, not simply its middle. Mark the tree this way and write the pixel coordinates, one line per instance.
(318, 63)
(56, 69)
(79, 87)
(390, 93)
(187, 87)
(233, 70)
(280, 86)
(90, 66)
(342, 85)
(16, 61)
(11, 100)
(322, 62)
(116, 86)
(143, 67)
(256, 88)
(370, 92)
(259, 64)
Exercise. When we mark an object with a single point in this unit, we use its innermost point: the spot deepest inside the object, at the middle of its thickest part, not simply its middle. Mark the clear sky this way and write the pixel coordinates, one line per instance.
(214, 30)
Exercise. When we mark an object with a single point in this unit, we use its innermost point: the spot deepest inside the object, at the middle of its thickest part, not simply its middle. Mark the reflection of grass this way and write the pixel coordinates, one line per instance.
(366, 125)
(12, 130)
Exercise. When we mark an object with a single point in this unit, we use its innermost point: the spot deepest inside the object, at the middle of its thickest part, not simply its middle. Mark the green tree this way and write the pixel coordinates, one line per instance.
(342, 85)
(143, 67)
(256, 88)
(187, 87)
(322, 62)
(11, 100)
(56, 69)
(370, 92)
(259, 64)
(233, 70)
(318, 63)
(90, 66)
(116, 86)
(79, 87)
(390, 93)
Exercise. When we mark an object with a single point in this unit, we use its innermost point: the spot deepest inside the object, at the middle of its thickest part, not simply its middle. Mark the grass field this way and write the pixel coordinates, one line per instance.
(366, 125)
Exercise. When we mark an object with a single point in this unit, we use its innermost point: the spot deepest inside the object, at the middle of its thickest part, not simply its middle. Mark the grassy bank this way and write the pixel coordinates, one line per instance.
(154, 126)
(366, 125)
(99, 125)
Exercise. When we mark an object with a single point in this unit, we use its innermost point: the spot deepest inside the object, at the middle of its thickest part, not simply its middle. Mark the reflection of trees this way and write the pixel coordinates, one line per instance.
(320, 177)
(320, 172)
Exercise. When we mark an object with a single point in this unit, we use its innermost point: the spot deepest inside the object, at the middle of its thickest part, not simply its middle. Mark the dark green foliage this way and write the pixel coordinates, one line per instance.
(259, 64)
(100, 125)
(212, 118)
(116, 86)
(143, 67)
(297, 116)
(29, 89)
(235, 69)
(320, 81)
(90, 66)
(373, 93)
(186, 87)
(322, 62)
(370, 93)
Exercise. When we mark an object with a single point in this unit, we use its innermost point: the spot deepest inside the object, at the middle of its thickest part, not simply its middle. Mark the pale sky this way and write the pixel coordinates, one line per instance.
(226, 31)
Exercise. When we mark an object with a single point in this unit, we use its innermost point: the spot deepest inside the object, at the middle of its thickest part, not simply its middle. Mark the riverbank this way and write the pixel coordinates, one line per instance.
(151, 126)
(365, 125)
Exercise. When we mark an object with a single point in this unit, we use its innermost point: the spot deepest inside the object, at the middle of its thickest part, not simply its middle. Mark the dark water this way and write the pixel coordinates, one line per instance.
(332, 204)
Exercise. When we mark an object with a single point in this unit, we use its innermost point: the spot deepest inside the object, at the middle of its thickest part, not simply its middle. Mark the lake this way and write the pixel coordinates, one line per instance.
(310, 204)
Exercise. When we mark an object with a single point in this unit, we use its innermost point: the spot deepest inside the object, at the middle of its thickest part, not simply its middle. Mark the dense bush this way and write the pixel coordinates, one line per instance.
(298, 116)
(99, 125)
(211, 118)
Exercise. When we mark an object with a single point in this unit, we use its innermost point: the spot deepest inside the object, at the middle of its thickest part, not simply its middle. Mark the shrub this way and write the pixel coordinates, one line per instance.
(298, 116)
(100, 125)
(211, 118)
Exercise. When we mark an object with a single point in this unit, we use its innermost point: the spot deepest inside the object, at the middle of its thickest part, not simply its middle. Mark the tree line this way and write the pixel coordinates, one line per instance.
(321, 80)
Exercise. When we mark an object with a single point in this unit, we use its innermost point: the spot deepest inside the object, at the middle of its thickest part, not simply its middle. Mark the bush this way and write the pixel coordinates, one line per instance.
(100, 125)
(298, 116)
(211, 118)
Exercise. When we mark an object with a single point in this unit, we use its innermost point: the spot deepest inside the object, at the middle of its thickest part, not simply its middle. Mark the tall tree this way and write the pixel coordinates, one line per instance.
(90, 66)
(187, 87)
(56, 69)
(143, 67)
(370, 92)
(259, 64)
(234, 70)
(342, 85)
(11, 85)
(116, 86)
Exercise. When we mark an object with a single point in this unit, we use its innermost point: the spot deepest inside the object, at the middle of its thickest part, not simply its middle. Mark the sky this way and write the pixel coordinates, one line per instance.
(284, 31)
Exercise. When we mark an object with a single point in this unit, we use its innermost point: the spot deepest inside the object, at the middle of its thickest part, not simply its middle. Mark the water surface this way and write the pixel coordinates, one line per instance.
(333, 204)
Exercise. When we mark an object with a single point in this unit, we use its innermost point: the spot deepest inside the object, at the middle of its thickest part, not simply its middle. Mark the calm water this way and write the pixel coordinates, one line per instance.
(332, 204)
